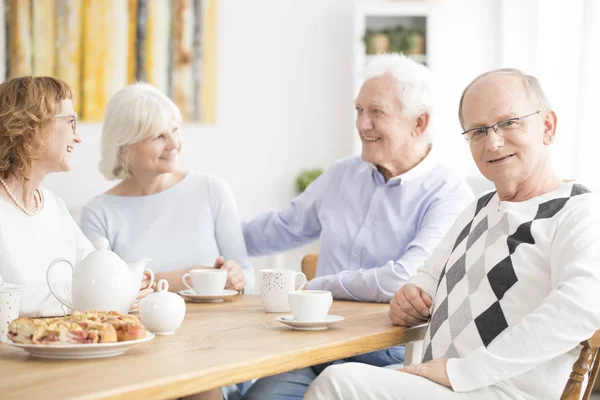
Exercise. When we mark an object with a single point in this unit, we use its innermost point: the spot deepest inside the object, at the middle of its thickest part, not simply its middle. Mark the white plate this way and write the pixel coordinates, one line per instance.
(207, 298)
(309, 326)
(79, 351)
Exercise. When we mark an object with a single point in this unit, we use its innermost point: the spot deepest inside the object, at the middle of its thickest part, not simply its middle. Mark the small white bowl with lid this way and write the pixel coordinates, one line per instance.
(162, 312)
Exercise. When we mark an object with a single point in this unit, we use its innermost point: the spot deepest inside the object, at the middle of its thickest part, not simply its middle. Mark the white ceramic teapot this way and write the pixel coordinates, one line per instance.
(103, 281)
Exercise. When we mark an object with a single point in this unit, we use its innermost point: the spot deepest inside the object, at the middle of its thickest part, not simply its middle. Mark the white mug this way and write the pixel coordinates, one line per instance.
(275, 284)
(10, 303)
(208, 281)
(310, 305)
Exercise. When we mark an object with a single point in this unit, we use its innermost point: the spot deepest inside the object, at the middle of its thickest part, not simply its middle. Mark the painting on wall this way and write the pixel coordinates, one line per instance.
(99, 46)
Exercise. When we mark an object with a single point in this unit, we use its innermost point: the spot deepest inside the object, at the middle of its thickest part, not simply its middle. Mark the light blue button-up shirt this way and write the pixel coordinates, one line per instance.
(374, 234)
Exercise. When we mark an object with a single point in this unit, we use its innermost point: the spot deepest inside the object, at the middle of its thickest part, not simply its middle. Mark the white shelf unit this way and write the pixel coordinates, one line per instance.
(385, 14)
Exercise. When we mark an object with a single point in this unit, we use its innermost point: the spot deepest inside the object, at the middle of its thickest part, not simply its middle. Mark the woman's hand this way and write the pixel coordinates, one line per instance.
(145, 289)
(235, 274)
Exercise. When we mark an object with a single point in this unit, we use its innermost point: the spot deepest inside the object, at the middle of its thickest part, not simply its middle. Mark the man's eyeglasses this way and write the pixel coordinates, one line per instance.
(501, 128)
(73, 121)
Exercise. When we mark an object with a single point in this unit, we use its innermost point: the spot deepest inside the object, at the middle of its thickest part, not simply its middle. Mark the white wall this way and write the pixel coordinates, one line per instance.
(461, 46)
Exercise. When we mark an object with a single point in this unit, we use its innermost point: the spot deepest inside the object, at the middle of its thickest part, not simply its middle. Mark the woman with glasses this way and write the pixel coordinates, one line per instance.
(37, 137)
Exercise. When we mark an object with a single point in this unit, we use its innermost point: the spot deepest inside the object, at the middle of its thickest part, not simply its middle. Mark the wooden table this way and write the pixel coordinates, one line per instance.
(219, 344)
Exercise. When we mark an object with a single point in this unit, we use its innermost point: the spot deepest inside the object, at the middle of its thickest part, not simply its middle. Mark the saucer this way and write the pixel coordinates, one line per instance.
(206, 298)
(309, 325)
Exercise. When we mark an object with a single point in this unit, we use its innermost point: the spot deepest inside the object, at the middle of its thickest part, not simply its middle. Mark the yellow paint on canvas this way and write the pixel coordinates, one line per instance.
(208, 89)
(94, 14)
(2, 45)
(149, 61)
(158, 36)
(43, 37)
(19, 46)
(131, 41)
(91, 44)
(182, 56)
(105, 58)
(68, 56)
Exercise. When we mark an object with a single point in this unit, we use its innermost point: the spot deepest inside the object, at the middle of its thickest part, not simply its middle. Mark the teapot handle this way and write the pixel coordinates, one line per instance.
(62, 300)
(148, 271)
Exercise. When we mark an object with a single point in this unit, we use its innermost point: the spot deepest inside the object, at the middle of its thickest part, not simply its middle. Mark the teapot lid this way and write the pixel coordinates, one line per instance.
(103, 255)
(162, 286)
(162, 294)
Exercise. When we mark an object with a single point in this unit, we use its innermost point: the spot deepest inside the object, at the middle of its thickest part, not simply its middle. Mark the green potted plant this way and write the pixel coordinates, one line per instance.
(415, 42)
(306, 177)
(376, 42)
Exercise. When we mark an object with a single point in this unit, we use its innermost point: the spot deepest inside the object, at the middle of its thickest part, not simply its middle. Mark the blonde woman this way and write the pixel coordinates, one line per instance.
(180, 219)
(37, 136)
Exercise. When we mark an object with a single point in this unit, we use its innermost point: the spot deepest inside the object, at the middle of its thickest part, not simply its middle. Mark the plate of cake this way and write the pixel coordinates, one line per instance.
(89, 334)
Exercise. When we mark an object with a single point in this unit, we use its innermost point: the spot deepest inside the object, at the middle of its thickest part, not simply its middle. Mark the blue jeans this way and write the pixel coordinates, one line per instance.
(292, 385)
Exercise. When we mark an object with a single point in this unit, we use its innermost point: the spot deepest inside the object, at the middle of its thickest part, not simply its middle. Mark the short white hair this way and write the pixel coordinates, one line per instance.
(133, 114)
(414, 80)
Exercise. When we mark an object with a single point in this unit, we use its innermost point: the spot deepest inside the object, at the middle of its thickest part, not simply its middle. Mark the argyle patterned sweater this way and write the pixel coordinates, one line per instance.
(516, 288)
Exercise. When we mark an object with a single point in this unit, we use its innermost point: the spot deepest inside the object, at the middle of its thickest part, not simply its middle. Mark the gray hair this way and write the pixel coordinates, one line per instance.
(532, 86)
(414, 81)
(133, 114)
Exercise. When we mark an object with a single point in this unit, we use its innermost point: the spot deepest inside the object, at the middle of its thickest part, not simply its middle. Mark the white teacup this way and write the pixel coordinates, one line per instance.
(310, 305)
(206, 281)
(10, 304)
(275, 284)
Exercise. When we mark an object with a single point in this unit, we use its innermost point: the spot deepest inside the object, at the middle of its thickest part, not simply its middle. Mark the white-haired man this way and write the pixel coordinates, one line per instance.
(514, 284)
(378, 216)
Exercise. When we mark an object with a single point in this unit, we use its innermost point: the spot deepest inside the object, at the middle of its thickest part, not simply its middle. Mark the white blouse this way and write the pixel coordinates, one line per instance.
(28, 244)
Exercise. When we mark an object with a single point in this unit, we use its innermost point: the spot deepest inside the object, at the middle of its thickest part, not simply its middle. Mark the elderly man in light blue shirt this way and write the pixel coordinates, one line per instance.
(378, 216)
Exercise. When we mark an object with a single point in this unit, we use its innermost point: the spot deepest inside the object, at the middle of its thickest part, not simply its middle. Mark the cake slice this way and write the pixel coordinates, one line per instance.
(91, 326)
(46, 331)
(128, 327)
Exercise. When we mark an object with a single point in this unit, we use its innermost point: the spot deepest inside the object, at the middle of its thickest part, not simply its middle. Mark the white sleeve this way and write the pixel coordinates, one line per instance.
(566, 317)
(428, 274)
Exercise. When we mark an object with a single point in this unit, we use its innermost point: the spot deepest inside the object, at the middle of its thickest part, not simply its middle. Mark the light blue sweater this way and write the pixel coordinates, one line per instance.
(189, 224)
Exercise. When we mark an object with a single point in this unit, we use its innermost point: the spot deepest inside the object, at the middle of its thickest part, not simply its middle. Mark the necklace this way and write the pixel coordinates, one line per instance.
(39, 200)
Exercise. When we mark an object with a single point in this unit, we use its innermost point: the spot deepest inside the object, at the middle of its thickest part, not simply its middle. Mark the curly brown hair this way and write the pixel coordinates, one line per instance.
(27, 105)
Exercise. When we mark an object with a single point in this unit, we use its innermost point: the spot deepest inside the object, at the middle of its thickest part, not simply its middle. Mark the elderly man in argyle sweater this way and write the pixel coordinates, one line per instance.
(514, 286)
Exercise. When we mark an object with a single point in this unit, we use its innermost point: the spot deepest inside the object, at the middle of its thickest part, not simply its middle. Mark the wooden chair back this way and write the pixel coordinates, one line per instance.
(587, 364)
(309, 265)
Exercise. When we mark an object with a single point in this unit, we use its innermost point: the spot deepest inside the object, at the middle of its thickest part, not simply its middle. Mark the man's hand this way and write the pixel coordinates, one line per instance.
(235, 275)
(434, 370)
(410, 306)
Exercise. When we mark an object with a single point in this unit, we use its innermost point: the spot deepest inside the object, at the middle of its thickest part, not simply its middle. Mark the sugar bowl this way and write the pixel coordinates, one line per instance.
(162, 312)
